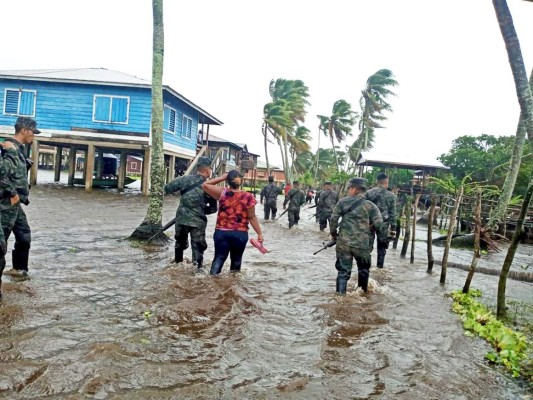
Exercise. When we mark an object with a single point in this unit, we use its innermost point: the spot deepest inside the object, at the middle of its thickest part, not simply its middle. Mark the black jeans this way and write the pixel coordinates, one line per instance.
(230, 243)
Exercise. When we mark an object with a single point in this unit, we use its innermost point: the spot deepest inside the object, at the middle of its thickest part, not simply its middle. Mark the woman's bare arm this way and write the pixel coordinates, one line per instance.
(211, 188)
(255, 223)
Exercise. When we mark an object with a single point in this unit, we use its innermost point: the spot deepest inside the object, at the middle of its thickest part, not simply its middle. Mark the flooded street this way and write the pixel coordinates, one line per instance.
(103, 318)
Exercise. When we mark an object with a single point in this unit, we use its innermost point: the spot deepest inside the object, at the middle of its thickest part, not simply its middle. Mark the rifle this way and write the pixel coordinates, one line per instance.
(164, 228)
(282, 214)
(326, 245)
(314, 215)
(308, 208)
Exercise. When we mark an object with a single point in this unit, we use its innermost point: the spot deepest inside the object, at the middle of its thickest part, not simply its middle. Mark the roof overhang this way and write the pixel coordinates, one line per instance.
(416, 162)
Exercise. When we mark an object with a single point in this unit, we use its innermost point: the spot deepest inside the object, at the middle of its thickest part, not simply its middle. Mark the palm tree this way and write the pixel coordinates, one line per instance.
(373, 103)
(525, 99)
(289, 99)
(339, 124)
(299, 143)
(152, 220)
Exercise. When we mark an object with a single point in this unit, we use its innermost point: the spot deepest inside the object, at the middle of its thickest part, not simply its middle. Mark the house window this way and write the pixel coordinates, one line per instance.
(111, 109)
(133, 165)
(186, 128)
(20, 102)
(169, 120)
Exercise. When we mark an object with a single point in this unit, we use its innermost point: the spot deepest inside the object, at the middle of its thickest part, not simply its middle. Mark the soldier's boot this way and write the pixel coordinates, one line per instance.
(341, 286)
(381, 258)
(178, 255)
(199, 262)
(20, 257)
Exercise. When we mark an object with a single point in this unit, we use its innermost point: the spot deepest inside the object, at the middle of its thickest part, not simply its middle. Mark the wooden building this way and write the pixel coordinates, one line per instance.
(93, 111)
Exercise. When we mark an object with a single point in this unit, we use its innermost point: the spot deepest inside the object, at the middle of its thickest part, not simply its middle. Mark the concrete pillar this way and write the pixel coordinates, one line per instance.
(145, 179)
(122, 169)
(71, 165)
(57, 163)
(171, 168)
(35, 159)
(89, 168)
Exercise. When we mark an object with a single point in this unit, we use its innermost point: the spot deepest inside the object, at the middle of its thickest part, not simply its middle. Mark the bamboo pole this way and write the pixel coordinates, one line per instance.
(408, 205)
(477, 234)
(450, 234)
(417, 199)
(431, 259)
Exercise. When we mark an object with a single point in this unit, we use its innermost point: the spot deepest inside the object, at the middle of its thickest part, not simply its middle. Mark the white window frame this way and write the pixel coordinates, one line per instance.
(175, 119)
(18, 105)
(111, 96)
(133, 165)
(183, 133)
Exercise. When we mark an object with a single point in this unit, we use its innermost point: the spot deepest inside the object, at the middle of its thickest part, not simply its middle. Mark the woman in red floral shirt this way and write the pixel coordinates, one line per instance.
(236, 209)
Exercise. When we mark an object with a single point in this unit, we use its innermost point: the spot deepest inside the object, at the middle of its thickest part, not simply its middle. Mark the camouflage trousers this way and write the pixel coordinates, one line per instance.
(344, 263)
(270, 205)
(324, 218)
(382, 244)
(294, 217)
(198, 242)
(14, 220)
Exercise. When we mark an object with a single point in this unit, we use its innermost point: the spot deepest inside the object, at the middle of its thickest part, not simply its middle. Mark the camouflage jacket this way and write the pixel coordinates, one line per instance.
(386, 202)
(327, 200)
(191, 211)
(270, 193)
(295, 198)
(354, 228)
(14, 173)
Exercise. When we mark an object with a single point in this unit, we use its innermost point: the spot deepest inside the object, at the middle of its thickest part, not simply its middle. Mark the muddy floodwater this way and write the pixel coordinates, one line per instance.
(101, 318)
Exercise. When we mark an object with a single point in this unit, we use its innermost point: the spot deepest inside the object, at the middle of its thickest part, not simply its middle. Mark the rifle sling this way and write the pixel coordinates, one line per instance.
(354, 206)
(188, 189)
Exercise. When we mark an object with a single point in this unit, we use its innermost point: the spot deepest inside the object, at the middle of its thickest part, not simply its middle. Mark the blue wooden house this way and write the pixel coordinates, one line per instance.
(96, 111)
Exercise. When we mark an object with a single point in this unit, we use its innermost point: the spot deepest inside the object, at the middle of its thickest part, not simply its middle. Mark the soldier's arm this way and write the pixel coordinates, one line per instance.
(262, 195)
(174, 186)
(392, 213)
(334, 223)
(8, 164)
(375, 216)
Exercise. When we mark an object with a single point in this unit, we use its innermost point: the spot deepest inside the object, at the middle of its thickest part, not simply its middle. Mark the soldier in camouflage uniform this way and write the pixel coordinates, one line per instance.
(296, 198)
(269, 195)
(190, 216)
(14, 191)
(386, 202)
(353, 236)
(326, 203)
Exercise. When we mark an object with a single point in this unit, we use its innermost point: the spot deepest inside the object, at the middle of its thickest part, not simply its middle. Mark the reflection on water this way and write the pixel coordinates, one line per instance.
(101, 318)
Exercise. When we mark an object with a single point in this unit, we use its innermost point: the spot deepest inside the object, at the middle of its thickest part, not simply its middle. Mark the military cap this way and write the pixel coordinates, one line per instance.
(28, 123)
(327, 183)
(295, 182)
(358, 183)
(271, 178)
(204, 162)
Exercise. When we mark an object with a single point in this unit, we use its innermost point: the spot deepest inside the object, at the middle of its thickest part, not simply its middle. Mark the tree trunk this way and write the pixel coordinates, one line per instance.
(152, 220)
(497, 216)
(453, 216)
(330, 132)
(500, 308)
(407, 235)
(417, 199)
(286, 155)
(265, 134)
(477, 252)
(431, 259)
(317, 155)
(512, 44)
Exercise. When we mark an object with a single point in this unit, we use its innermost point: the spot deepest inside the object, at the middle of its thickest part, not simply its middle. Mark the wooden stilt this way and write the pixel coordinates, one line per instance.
(89, 167)
(35, 159)
(57, 163)
(145, 179)
(100, 164)
(71, 165)
(122, 170)
(171, 168)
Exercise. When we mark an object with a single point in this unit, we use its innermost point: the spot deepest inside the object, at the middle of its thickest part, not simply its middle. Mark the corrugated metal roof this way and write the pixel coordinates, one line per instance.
(263, 165)
(417, 161)
(99, 76)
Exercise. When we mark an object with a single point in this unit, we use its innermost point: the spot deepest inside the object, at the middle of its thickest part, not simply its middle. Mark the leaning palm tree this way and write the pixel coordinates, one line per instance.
(525, 99)
(373, 103)
(275, 118)
(299, 142)
(339, 124)
(152, 220)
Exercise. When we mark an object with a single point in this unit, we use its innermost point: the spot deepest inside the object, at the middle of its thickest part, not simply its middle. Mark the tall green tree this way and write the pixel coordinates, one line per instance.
(374, 104)
(152, 221)
(525, 99)
(339, 124)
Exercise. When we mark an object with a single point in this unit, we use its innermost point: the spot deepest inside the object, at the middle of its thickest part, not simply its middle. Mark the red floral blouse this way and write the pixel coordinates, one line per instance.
(233, 210)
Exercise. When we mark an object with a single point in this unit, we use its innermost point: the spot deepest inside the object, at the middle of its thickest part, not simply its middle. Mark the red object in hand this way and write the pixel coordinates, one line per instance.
(258, 245)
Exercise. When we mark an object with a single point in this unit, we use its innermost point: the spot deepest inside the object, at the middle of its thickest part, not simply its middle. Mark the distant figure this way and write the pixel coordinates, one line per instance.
(191, 214)
(358, 215)
(236, 211)
(295, 198)
(269, 195)
(386, 202)
(14, 191)
(309, 196)
(287, 188)
(326, 203)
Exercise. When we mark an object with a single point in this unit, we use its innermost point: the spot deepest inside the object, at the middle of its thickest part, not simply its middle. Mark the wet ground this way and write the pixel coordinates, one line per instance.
(102, 318)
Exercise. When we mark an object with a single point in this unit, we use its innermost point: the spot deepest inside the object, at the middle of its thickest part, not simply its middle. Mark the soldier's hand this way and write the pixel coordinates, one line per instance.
(284, 207)
(8, 145)
(15, 199)
(334, 235)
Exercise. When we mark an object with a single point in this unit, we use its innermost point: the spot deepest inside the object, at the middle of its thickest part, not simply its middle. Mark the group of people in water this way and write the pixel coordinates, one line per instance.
(354, 221)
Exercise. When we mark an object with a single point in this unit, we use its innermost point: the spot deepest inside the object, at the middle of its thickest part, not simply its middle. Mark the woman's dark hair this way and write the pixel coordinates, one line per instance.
(234, 179)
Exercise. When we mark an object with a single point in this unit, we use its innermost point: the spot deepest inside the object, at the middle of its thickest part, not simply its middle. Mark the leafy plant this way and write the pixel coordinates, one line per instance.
(510, 348)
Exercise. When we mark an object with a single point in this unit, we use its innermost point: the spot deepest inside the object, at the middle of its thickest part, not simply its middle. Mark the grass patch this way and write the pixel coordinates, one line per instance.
(511, 349)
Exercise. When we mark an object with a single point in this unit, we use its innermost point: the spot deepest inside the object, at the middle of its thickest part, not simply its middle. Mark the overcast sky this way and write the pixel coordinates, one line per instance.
(448, 56)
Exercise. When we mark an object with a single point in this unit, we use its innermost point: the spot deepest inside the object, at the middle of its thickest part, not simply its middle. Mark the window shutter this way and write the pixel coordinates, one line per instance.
(101, 108)
(119, 111)
(12, 102)
(27, 100)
